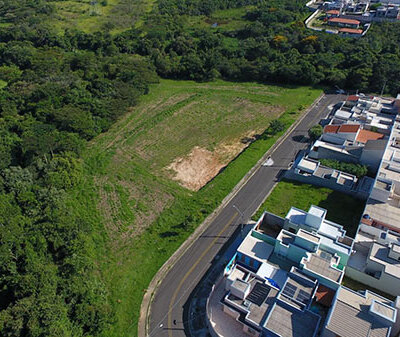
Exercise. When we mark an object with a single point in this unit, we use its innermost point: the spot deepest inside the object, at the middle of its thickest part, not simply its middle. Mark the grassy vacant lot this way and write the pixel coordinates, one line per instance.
(141, 214)
(90, 16)
(226, 20)
(342, 208)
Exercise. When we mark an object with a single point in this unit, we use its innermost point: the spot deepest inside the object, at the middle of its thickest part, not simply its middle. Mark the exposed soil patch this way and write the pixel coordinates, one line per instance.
(196, 169)
(201, 165)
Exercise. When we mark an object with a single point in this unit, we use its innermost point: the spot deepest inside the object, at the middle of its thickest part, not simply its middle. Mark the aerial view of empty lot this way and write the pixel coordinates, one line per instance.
(138, 137)
(146, 178)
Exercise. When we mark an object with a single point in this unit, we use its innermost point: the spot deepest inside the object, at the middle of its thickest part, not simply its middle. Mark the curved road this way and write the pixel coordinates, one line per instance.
(166, 312)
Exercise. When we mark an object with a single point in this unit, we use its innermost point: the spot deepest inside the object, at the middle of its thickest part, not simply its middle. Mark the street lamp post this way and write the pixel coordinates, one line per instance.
(242, 218)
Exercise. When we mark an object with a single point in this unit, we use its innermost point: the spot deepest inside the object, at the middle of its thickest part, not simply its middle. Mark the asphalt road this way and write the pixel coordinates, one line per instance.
(166, 318)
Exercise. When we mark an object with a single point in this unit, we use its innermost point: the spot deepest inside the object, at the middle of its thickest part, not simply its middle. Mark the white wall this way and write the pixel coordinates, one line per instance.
(379, 194)
(386, 283)
(372, 158)
(371, 230)
(333, 138)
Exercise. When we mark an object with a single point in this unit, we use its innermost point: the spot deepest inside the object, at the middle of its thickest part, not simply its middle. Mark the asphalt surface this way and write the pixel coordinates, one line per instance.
(166, 313)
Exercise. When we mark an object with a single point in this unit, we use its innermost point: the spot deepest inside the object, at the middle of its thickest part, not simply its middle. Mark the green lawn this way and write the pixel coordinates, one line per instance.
(142, 216)
(342, 208)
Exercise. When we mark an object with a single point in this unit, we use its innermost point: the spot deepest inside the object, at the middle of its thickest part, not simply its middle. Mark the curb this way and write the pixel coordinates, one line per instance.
(144, 317)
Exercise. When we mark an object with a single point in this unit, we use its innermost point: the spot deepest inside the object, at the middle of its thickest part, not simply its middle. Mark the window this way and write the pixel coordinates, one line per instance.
(292, 230)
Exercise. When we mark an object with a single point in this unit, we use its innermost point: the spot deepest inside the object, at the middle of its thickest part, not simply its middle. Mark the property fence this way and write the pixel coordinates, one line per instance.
(321, 182)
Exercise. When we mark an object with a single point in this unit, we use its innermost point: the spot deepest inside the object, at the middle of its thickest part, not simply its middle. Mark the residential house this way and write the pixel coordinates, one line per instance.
(297, 292)
(342, 22)
(376, 257)
(326, 150)
(372, 153)
(360, 314)
(351, 32)
(337, 134)
(265, 310)
(310, 171)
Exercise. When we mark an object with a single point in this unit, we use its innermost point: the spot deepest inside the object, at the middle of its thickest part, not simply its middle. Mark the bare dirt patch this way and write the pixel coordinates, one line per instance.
(196, 169)
(201, 165)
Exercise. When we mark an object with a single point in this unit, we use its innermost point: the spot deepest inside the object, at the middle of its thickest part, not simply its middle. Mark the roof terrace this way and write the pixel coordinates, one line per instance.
(286, 321)
(255, 248)
(380, 254)
(256, 304)
(289, 315)
(323, 265)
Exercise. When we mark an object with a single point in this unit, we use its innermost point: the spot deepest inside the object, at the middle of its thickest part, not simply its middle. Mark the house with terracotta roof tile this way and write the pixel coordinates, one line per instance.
(351, 31)
(337, 134)
(365, 135)
(342, 22)
(333, 13)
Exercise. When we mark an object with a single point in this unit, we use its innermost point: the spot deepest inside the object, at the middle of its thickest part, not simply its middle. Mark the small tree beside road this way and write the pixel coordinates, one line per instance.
(315, 132)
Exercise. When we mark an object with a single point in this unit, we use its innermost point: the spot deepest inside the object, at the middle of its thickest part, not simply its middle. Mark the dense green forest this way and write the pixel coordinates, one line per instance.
(54, 96)
(57, 91)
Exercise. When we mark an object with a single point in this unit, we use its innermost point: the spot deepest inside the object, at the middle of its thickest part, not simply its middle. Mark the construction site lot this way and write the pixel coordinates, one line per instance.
(167, 164)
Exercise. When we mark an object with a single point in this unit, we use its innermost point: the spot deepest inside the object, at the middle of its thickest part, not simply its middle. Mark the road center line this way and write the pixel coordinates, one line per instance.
(171, 304)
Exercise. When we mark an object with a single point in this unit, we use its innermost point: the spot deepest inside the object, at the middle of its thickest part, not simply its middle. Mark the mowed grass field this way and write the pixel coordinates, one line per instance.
(140, 213)
(91, 16)
(342, 208)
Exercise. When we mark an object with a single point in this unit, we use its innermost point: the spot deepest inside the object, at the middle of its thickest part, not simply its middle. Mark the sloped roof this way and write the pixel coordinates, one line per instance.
(331, 128)
(324, 295)
(346, 21)
(379, 144)
(353, 98)
(347, 321)
(366, 135)
(351, 30)
(349, 128)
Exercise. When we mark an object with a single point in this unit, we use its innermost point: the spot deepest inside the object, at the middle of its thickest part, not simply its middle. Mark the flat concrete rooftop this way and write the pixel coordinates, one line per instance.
(388, 212)
(379, 254)
(308, 236)
(323, 267)
(255, 248)
(287, 322)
